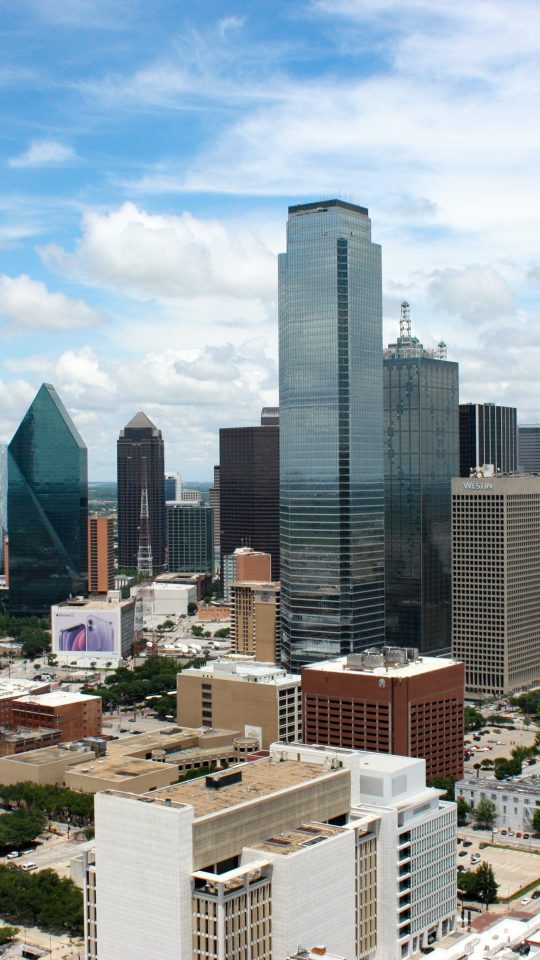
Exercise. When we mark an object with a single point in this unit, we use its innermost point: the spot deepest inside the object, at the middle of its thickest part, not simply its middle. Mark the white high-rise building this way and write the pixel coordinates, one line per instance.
(333, 846)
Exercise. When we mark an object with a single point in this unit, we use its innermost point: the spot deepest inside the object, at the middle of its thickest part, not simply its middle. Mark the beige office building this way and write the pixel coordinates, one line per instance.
(258, 699)
(496, 582)
(351, 850)
(255, 626)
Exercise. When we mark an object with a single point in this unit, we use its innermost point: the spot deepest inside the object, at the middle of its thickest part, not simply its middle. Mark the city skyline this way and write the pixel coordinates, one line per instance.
(142, 220)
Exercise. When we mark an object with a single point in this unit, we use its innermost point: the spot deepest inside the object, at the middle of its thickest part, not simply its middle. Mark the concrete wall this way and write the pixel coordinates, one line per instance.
(143, 912)
(12, 770)
(235, 704)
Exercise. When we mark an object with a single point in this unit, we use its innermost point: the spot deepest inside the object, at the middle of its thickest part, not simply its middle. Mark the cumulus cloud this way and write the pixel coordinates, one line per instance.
(27, 304)
(190, 394)
(163, 257)
(43, 153)
(478, 294)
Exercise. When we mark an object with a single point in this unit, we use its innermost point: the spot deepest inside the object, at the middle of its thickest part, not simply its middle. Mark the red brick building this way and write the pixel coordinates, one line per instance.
(389, 700)
(75, 715)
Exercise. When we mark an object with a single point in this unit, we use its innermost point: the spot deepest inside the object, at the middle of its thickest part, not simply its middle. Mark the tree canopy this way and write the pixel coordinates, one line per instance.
(41, 899)
(484, 814)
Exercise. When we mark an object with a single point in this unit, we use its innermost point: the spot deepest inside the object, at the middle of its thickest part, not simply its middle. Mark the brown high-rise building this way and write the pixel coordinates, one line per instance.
(100, 553)
(140, 460)
(255, 623)
(389, 700)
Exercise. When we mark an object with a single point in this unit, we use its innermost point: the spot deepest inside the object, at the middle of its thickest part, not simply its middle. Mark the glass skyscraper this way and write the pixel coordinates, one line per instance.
(421, 429)
(47, 507)
(141, 459)
(487, 434)
(331, 434)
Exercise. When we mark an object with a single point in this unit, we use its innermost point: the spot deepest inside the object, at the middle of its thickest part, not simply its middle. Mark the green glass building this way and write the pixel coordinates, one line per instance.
(47, 507)
(190, 538)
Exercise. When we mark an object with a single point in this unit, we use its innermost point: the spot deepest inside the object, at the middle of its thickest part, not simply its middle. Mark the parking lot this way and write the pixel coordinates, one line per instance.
(498, 743)
(514, 869)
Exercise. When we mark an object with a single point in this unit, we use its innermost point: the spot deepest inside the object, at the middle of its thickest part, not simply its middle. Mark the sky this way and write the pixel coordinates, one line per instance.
(149, 150)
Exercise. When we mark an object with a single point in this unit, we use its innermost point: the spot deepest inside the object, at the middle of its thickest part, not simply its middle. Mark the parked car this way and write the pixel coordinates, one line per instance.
(462, 853)
(467, 843)
(482, 845)
(518, 834)
(29, 866)
(536, 894)
(503, 833)
(13, 855)
(526, 836)
(526, 900)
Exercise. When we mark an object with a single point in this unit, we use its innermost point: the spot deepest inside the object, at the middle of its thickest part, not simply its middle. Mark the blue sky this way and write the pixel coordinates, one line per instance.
(149, 151)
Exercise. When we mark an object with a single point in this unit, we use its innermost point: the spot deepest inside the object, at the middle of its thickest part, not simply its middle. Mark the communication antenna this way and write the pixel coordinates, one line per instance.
(405, 320)
(441, 350)
(144, 555)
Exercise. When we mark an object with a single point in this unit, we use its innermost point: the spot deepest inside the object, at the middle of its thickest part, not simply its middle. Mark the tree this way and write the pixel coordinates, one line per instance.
(463, 811)
(443, 783)
(197, 631)
(484, 814)
(223, 632)
(486, 885)
(191, 609)
(472, 719)
(7, 934)
(536, 821)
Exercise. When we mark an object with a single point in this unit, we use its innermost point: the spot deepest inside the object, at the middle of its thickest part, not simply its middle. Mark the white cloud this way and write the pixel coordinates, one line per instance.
(229, 23)
(163, 257)
(477, 294)
(43, 153)
(26, 304)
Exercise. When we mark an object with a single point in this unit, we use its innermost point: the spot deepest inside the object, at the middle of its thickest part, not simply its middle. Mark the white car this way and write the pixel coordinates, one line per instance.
(29, 866)
(13, 855)
(526, 900)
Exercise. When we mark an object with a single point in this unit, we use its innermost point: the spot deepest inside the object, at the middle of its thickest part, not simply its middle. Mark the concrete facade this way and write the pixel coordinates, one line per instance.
(260, 700)
(515, 800)
(496, 571)
(335, 846)
(255, 620)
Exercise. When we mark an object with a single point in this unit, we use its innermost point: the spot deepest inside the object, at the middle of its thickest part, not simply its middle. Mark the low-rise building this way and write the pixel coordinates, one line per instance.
(515, 800)
(336, 846)
(388, 699)
(94, 630)
(255, 624)
(259, 699)
(201, 581)
(11, 690)
(74, 715)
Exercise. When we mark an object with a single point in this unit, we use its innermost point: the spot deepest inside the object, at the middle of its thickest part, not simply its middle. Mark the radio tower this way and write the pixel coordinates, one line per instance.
(405, 320)
(144, 555)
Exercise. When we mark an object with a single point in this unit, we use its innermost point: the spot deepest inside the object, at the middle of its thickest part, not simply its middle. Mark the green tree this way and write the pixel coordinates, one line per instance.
(536, 821)
(7, 934)
(466, 883)
(41, 899)
(486, 885)
(463, 812)
(504, 767)
(223, 632)
(197, 631)
(472, 719)
(484, 814)
(20, 827)
(191, 609)
(443, 783)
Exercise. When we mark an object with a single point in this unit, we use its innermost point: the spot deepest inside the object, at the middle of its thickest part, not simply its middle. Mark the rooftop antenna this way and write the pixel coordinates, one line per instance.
(405, 320)
(441, 350)
(144, 555)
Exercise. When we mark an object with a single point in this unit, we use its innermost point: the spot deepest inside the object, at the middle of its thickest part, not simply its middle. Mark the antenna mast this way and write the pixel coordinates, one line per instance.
(144, 555)
(405, 320)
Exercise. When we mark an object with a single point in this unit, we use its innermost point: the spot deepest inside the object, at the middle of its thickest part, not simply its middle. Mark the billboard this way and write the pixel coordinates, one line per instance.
(86, 631)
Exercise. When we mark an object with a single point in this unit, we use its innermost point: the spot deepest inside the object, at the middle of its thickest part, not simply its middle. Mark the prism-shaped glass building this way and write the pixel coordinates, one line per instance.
(331, 434)
(47, 507)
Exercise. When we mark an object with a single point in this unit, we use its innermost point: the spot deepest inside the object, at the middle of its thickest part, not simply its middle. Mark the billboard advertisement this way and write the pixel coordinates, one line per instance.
(83, 631)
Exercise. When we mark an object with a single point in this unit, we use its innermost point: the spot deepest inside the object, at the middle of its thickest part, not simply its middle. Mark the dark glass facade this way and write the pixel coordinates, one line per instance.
(331, 434)
(529, 448)
(140, 451)
(421, 456)
(190, 536)
(487, 434)
(47, 507)
(249, 490)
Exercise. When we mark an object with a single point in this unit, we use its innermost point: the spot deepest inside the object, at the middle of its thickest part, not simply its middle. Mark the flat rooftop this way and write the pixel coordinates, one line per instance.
(261, 778)
(413, 668)
(50, 755)
(58, 698)
(247, 670)
(167, 738)
(93, 603)
(18, 688)
(117, 768)
(292, 841)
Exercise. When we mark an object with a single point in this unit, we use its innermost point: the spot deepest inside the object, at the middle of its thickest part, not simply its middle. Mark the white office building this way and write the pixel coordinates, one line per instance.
(311, 844)
(515, 799)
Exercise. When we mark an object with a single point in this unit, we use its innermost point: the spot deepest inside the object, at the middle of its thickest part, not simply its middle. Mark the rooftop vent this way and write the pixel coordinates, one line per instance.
(215, 781)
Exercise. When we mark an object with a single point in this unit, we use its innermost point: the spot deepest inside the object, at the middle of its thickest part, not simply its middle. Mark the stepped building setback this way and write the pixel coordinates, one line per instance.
(348, 849)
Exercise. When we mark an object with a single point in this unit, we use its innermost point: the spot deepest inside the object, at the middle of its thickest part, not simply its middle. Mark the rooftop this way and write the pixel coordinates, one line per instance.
(58, 698)
(93, 603)
(292, 841)
(380, 662)
(321, 204)
(140, 422)
(50, 755)
(243, 670)
(17, 688)
(518, 784)
(260, 778)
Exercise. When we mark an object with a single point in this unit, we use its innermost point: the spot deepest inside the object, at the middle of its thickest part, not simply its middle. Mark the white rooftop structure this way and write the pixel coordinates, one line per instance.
(399, 662)
(247, 670)
(10, 688)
